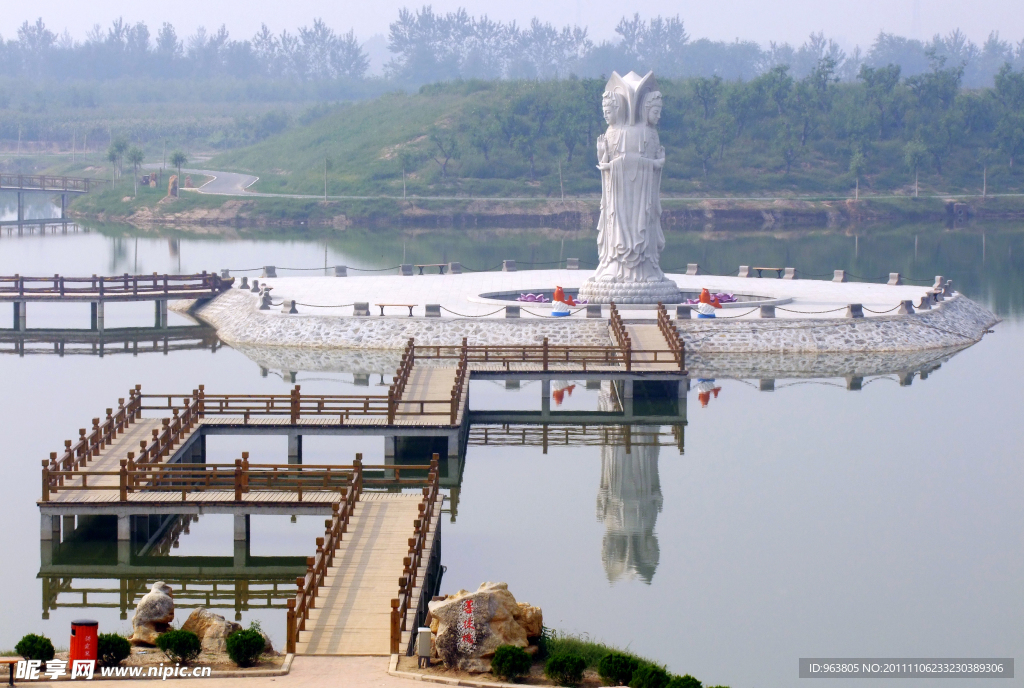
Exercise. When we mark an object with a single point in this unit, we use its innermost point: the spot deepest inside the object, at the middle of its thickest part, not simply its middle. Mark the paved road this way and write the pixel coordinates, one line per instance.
(235, 184)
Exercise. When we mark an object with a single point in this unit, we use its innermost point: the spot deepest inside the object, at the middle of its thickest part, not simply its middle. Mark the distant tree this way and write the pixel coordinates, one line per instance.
(708, 91)
(178, 159)
(135, 157)
(882, 95)
(914, 153)
(447, 145)
(857, 165)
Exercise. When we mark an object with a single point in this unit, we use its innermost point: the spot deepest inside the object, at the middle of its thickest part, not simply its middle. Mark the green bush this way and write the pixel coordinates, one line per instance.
(565, 670)
(112, 649)
(649, 676)
(616, 669)
(245, 646)
(510, 662)
(684, 682)
(34, 646)
(180, 646)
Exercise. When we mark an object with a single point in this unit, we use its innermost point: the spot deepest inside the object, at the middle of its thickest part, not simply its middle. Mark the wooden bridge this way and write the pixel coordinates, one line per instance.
(99, 289)
(41, 183)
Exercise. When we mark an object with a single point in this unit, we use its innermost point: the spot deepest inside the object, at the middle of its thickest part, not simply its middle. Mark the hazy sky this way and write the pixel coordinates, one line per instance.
(850, 22)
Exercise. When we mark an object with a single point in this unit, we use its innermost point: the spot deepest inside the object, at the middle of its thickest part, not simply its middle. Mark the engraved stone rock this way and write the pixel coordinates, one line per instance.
(153, 615)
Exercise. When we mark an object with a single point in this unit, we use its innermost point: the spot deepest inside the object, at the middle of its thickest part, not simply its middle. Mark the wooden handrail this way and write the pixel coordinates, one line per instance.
(113, 286)
(43, 182)
(407, 582)
(672, 336)
(309, 585)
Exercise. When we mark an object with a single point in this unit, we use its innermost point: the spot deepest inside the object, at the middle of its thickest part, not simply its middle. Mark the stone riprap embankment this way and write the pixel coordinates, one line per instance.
(325, 319)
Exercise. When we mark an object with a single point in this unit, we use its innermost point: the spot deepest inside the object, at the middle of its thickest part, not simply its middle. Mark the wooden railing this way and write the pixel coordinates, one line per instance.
(295, 405)
(317, 565)
(621, 337)
(411, 564)
(671, 334)
(461, 371)
(120, 286)
(545, 355)
(401, 379)
(42, 182)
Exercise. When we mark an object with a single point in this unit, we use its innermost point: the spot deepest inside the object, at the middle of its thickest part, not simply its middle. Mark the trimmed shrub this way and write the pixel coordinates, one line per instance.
(34, 646)
(684, 682)
(112, 649)
(180, 646)
(565, 670)
(246, 646)
(510, 662)
(649, 676)
(616, 669)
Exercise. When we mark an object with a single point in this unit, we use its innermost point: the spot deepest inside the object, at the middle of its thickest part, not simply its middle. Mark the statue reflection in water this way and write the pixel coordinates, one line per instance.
(628, 502)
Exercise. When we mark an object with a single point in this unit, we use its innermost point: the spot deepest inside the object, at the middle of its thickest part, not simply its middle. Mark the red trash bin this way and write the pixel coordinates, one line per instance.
(84, 639)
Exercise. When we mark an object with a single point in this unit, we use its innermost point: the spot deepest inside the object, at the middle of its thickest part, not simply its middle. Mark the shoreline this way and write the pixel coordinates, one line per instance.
(689, 214)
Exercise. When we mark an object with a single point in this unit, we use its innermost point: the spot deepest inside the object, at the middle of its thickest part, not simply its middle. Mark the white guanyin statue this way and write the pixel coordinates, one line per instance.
(630, 157)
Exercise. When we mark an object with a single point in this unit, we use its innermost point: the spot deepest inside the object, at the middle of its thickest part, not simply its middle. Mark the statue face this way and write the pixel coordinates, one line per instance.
(654, 114)
(608, 108)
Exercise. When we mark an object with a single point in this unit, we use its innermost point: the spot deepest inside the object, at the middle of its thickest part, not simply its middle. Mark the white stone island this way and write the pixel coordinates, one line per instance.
(809, 315)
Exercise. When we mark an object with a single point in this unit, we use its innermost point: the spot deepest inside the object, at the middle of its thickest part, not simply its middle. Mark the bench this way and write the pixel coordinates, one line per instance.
(777, 270)
(440, 267)
(382, 306)
(10, 662)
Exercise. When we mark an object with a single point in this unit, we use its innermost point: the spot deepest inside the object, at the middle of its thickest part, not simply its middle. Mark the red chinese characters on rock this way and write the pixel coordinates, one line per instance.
(467, 638)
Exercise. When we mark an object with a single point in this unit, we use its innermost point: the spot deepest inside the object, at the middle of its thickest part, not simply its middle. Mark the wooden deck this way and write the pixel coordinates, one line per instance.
(649, 338)
(353, 612)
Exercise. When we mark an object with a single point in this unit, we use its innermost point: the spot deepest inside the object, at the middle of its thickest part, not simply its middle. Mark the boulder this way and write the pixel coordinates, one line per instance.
(531, 619)
(213, 629)
(469, 626)
(153, 615)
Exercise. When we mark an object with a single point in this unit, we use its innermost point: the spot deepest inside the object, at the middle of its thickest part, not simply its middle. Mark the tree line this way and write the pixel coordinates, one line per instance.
(428, 46)
(884, 131)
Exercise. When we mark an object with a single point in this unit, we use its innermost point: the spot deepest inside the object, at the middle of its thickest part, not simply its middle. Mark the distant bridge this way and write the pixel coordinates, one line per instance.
(41, 183)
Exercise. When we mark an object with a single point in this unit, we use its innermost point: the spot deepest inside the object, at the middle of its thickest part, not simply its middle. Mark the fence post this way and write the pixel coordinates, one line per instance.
(290, 638)
(46, 479)
(238, 480)
(124, 480)
(295, 404)
(545, 354)
(396, 634)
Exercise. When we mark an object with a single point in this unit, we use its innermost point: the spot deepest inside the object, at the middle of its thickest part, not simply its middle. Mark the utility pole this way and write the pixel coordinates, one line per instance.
(74, 141)
(560, 185)
(163, 160)
(325, 199)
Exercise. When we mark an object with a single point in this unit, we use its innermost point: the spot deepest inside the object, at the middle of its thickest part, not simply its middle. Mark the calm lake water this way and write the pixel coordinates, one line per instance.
(807, 521)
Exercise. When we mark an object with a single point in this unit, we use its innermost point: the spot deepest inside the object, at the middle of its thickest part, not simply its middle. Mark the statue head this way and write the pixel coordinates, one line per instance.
(652, 108)
(611, 107)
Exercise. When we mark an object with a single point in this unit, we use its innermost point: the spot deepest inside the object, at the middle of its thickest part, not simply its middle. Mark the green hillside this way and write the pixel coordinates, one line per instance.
(771, 135)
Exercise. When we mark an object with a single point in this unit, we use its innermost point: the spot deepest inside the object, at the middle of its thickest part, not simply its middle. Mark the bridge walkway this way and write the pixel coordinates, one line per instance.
(353, 613)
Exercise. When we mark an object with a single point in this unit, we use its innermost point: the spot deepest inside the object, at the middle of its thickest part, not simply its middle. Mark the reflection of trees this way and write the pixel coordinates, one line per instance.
(628, 502)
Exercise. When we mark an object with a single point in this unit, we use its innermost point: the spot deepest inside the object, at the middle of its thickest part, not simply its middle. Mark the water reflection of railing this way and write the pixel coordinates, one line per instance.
(129, 340)
(547, 436)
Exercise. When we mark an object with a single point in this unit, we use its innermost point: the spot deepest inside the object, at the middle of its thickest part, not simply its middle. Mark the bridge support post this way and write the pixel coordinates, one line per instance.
(294, 447)
(160, 319)
(199, 449)
(68, 525)
(627, 389)
(241, 527)
(545, 397)
(63, 206)
(97, 315)
(21, 207)
(684, 387)
(390, 448)
(19, 315)
(50, 528)
(124, 527)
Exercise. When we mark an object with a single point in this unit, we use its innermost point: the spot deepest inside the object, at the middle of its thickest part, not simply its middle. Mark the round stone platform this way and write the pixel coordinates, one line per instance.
(812, 320)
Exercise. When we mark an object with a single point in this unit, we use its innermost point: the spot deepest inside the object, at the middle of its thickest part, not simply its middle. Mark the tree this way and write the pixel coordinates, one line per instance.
(135, 157)
(178, 159)
(447, 144)
(708, 91)
(913, 155)
(571, 116)
(881, 85)
(857, 169)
